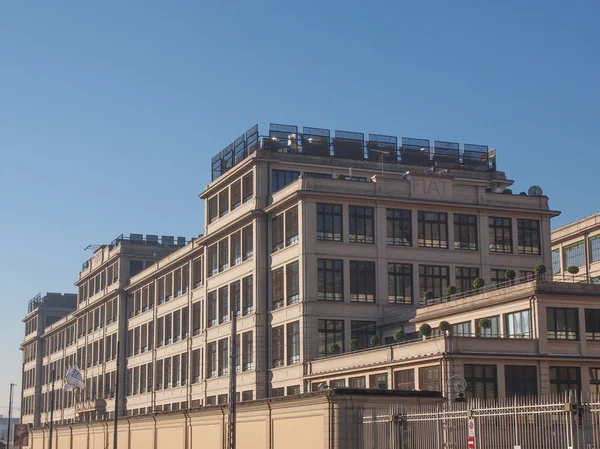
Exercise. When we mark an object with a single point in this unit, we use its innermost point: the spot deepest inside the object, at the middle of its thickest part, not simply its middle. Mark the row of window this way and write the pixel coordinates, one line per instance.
(563, 323)
(237, 297)
(432, 229)
(285, 340)
(230, 251)
(31, 325)
(285, 285)
(29, 378)
(97, 283)
(574, 255)
(231, 197)
(95, 319)
(100, 351)
(30, 352)
(217, 356)
(284, 229)
(434, 278)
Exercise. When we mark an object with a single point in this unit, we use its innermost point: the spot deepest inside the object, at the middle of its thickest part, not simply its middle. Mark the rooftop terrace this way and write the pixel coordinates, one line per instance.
(52, 300)
(353, 146)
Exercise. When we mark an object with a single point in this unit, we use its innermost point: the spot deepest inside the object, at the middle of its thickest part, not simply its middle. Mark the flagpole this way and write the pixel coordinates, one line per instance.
(116, 397)
(51, 410)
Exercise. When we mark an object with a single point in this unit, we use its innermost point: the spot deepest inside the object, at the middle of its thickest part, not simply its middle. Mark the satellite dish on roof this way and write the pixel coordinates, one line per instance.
(535, 191)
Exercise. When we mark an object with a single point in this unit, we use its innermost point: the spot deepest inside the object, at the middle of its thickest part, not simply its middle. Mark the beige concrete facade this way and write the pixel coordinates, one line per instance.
(313, 253)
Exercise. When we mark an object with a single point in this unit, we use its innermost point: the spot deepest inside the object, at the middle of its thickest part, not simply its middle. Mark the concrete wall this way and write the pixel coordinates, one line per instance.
(320, 420)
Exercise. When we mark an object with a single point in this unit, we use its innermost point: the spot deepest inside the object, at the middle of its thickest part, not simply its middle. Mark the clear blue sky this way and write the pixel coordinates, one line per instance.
(110, 111)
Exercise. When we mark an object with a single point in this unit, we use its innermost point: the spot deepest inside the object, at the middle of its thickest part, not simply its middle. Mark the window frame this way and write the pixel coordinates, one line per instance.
(433, 223)
(361, 224)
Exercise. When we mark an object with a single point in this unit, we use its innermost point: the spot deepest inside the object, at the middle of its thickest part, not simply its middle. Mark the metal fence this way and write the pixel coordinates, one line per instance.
(565, 422)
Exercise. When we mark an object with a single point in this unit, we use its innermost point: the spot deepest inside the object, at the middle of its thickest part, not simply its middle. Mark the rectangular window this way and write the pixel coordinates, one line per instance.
(362, 281)
(592, 324)
(281, 178)
(362, 332)
(465, 232)
(528, 232)
(482, 381)
(430, 379)
(357, 382)
(433, 229)
(330, 280)
(177, 282)
(500, 235)
(277, 346)
(235, 297)
(211, 360)
(563, 323)
(292, 282)
(594, 248)
(462, 329)
(236, 248)
(213, 208)
(136, 339)
(520, 380)
(277, 233)
(564, 378)
(211, 319)
(176, 370)
(223, 357)
(404, 380)
(497, 275)
(196, 365)
(247, 186)
(433, 278)
(331, 337)
(247, 295)
(465, 277)
(223, 304)
(236, 194)
(168, 329)
(517, 324)
(223, 254)
(176, 325)
(213, 266)
(293, 342)
(574, 255)
(144, 337)
(169, 287)
(399, 227)
(400, 288)
(159, 375)
(293, 390)
(595, 382)
(556, 261)
(378, 381)
(247, 243)
(489, 332)
(291, 226)
(247, 351)
(277, 295)
(329, 222)
(197, 272)
(167, 372)
(223, 202)
(361, 224)
(185, 322)
(196, 321)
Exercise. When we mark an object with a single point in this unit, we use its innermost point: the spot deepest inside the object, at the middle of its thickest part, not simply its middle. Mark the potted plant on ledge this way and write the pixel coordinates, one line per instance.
(574, 270)
(399, 335)
(425, 330)
(374, 340)
(445, 327)
(334, 348)
(353, 344)
(478, 283)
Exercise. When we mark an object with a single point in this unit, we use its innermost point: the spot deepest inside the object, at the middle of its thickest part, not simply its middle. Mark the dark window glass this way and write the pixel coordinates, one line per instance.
(211, 319)
(433, 229)
(378, 381)
(594, 250)
(247, 186)
(520, 380)
(223, 304)
(247, 243)
(247, 295)
(482, 381)
(223, 202)
(293, 342)
(330, 280)
(400, 285)
(462, 329)
(563, 323)
(331, 332)
(223, 254)
(465, 232)
(291, 226)
(281, 178)
(556, 261)
(529, 236)
(277, 233)
(213, 208)
(399, 227)
(574, 255)
(361, 224)
(564, 378)
(277, 345)
(329, 222)
(493, 331)
(236, 194)
(500, 235)
(430, 378)
(592, 324)
(362, 281)
(362, 331)
(497, 275)
(277, 295)
(223, 367)
(595, 382)
(465, 277)
(433, 278)
(404, 380)
(292, 282)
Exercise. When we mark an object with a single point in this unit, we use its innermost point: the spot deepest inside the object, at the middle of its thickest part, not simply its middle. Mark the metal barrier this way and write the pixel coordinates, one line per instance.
(563, 421)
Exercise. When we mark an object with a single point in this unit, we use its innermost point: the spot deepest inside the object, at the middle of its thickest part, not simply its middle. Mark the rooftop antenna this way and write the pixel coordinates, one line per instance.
(92, 247)
(382, 154)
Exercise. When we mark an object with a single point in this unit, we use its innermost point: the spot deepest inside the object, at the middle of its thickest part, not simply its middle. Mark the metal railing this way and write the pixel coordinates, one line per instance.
(561, 421)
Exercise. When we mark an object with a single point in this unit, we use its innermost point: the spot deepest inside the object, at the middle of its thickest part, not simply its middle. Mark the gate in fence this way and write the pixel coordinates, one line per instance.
(556, 422)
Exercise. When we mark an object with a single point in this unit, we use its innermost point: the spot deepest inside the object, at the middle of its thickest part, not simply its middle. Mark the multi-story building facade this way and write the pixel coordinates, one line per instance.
(577, 244)
(309, 242)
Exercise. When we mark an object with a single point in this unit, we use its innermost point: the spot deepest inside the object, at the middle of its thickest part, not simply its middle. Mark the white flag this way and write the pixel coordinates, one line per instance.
(74, 379)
